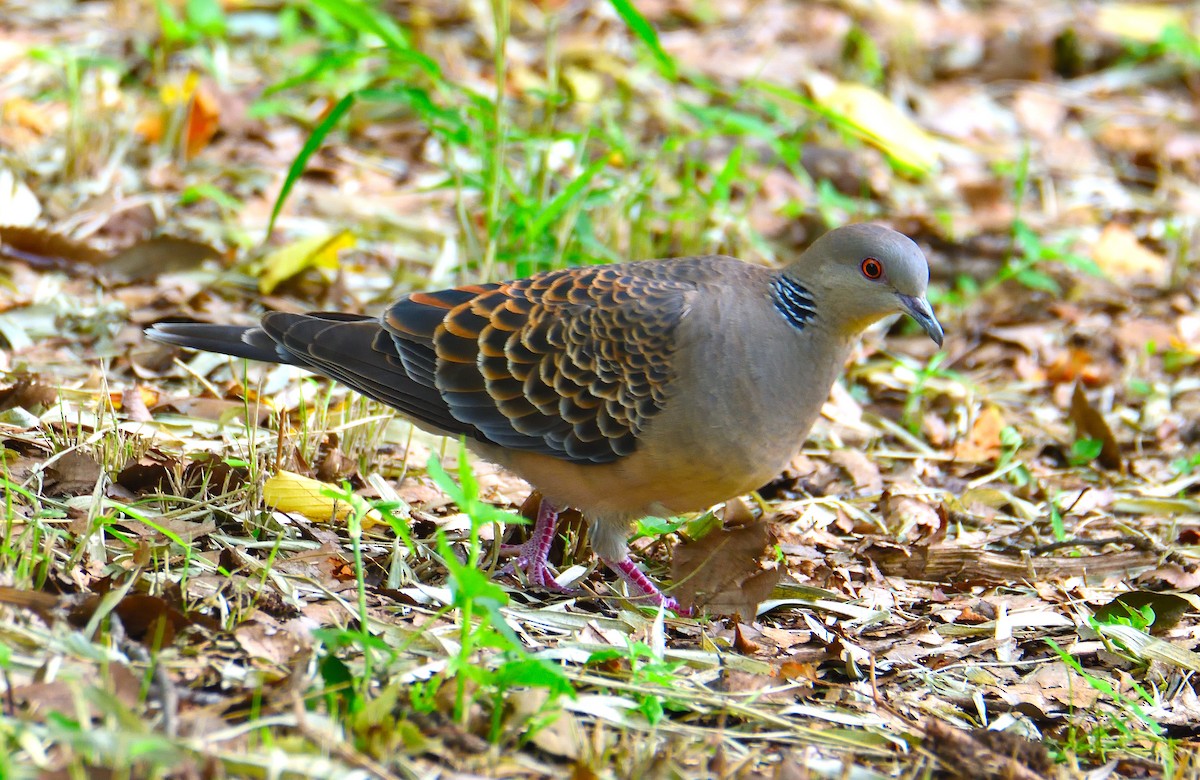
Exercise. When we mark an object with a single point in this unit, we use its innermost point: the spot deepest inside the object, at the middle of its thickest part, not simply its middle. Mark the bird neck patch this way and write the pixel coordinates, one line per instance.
(793, 301)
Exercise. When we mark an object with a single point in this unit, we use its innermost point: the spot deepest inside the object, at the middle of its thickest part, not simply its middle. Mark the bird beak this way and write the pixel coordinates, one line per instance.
(920, 310)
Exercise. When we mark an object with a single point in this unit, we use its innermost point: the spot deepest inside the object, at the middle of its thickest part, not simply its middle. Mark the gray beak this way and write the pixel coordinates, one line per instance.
(920, 310)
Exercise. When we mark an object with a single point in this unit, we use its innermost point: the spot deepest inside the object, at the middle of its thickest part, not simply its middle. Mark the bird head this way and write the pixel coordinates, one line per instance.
(859, 274)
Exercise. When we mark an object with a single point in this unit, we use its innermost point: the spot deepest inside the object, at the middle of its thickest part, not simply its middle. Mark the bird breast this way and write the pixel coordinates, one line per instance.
(742, 400)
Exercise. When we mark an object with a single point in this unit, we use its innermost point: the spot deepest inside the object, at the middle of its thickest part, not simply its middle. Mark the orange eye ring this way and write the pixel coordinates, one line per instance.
(872, 268)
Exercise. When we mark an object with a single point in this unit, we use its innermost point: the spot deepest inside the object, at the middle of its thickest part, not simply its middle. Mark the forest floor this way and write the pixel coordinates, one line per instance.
(981, 566)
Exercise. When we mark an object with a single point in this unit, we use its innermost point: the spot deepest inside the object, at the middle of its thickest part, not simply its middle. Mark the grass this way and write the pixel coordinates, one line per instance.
(658, 161)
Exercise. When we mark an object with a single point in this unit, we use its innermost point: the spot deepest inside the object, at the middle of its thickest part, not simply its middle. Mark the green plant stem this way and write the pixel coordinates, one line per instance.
(354, 531)
(466, 636)
(500, 14)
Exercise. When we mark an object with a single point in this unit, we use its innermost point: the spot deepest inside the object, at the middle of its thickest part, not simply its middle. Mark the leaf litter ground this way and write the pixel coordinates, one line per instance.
(981, 565)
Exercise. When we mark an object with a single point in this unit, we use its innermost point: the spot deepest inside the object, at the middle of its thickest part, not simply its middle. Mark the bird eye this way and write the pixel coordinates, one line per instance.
(872, 268)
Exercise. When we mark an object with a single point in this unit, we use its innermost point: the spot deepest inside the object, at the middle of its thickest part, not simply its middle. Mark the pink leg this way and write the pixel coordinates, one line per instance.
(532, 556)
(639, 582)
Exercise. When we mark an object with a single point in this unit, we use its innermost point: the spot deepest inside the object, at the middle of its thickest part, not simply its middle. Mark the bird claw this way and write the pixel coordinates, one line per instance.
(648, 591)
(668, 603)
(536, 572)
(674, 605)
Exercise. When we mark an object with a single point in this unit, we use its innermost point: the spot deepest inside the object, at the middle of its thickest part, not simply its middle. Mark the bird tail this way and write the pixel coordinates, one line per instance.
(245, 342)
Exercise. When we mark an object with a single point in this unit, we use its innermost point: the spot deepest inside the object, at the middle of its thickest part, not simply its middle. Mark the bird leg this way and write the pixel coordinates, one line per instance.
(533, 555)
(532, 558)
(639, 582)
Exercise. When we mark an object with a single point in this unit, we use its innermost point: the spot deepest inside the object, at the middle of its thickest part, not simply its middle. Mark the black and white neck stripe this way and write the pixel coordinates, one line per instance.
(793, 301)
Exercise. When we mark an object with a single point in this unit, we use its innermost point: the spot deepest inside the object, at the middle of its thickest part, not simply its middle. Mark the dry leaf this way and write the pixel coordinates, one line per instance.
(151, 620)
(59, 696)
(723, 571)
(74, 474)
(151, 126)
(1142, 22)
(221, 410)
(319, 252)
(262, 637)
(879, 122)
(18, 204)
(1171, 575)
(1074, 365)
(149, 259)
(982, 444)
(44, 249)
(291, 492)
(561, 733)
(1120, 255)
(28, 394)
(861, 469)
(203, 121)
(911, 519)
(1091, 425)
(24, 113)
(981, 754)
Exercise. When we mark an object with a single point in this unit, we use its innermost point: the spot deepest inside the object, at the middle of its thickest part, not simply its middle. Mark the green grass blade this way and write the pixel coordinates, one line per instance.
(565, 198)
(315, 139)
(646, 33)
(367, 19)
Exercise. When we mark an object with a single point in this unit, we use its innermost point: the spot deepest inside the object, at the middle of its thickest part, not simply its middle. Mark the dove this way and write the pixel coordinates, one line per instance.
(637, 389)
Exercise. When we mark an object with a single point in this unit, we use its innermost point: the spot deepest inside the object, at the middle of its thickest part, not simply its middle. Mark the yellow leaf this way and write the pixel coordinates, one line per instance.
(879, 122)
(27, 114)
(319, 252)
(1142, 22)
(1120, 255)
(179, 91)
(291, 492)
(586, 86)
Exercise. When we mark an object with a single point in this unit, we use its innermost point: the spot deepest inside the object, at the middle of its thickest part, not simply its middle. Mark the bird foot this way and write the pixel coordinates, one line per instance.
(537, 571)
(531, 556)
(648, 591)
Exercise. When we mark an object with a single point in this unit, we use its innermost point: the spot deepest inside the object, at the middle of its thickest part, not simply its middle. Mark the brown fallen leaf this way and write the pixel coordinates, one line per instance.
(561, 734)
(145, 475)
(185, 530)
(724, 570)
(742, 644)
(151, 620)
(333, 465)
(1169, 608)
(736, 681)
(792, 669)
(28, 394)
(913, 520)
(149, 259)
(45, 249)
(135, 405)
(982, 754)
(218, 409)
(1091, 425)
(1170, 575)
(982, 444)
(145, 260)
(64, 695)
(1075, 365)
(73, 474)
(948, 563)
(861, 469)
(261, 636)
